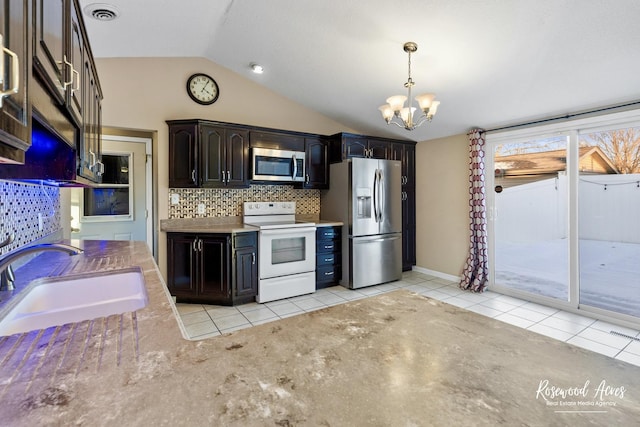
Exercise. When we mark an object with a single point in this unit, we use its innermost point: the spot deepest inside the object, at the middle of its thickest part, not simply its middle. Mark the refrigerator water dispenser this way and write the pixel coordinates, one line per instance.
(363, 202)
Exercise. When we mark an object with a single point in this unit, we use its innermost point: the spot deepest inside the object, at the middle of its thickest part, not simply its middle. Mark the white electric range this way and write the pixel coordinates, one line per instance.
(286, 250)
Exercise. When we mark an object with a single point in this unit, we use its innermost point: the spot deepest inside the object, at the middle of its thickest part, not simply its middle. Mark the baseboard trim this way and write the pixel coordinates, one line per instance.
(437, 274)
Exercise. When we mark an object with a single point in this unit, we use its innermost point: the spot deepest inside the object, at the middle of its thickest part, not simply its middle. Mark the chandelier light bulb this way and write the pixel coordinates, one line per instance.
(387, 112)
(433, 109)
(396, 102)
(406, 114)
(424, 101)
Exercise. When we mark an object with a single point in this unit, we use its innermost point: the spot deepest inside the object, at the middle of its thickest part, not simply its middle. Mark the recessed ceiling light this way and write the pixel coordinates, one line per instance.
(257, 68)
(102, 11)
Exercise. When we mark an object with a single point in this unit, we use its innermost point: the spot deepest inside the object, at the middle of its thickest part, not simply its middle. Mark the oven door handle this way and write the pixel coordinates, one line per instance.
(289, 230)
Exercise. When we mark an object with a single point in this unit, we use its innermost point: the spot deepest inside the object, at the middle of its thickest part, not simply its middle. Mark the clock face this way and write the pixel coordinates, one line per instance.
(202, 89)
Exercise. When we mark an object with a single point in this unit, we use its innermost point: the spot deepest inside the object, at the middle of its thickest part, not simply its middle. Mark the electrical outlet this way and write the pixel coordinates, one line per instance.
(175, 199)
(201, 208)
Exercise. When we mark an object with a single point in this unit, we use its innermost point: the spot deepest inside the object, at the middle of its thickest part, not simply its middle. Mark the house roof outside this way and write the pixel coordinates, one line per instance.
(592, 160)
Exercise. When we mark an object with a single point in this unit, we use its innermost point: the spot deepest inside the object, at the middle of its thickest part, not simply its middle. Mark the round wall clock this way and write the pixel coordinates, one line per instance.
(202, 89)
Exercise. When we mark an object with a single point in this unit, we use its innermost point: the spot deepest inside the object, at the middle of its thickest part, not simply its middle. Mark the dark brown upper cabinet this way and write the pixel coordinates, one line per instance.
(65, 93)
(15, 108)
(316, 163)
(202, 154)
(345, 146)
(50, 64)
(276, 140)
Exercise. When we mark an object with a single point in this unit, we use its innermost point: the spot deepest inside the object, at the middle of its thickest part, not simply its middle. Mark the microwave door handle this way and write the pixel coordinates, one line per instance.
(295, 167)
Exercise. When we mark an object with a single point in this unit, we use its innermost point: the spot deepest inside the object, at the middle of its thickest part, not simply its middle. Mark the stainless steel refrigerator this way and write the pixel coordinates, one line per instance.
(365, 195)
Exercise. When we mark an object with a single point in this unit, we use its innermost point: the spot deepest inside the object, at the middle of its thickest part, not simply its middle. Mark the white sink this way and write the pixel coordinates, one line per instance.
(57, 301)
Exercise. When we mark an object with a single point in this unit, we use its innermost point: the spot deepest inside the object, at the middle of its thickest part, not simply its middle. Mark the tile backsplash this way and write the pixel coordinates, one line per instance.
(23, 207)
(228, 202)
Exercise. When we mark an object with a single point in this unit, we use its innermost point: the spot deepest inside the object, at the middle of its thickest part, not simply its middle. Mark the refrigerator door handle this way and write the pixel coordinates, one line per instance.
(381, 195)
(375, 195)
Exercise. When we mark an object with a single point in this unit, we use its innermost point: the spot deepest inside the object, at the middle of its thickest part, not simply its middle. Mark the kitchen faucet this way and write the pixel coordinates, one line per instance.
(7, 276)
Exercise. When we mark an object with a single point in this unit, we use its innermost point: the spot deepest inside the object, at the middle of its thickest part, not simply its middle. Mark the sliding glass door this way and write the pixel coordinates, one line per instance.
(609, 212)
(563, 206)
(530, 212)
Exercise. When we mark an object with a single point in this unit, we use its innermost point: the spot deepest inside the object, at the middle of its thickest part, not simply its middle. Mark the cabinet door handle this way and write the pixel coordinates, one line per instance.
(15, 72)
(193, 176)
(194, 245)
(75, 73)
(253, 258)
(228, 176)
(307, 180)
(200, 245)
(92, 164)
(70, 65)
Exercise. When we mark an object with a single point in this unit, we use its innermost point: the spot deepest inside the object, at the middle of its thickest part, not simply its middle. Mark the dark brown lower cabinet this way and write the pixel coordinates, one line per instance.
(245, 271)
(208, 268)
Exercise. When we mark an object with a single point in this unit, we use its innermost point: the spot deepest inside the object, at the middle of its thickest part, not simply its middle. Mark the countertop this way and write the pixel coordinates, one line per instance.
(205, 225)
(226, 224)
(328, 223)
(412, 361)
(63, 375)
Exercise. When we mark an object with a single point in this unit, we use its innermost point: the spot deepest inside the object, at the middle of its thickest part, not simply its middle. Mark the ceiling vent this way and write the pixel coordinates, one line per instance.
(102, 11)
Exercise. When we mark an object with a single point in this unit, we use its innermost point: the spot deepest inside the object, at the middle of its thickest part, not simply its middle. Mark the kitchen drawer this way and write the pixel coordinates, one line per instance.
(328, 274)
(328, 233)
(241, 240)
(323, 246)
(326, 259)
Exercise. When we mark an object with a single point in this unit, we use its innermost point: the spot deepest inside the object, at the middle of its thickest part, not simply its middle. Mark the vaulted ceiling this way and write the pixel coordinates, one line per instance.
(490, 63)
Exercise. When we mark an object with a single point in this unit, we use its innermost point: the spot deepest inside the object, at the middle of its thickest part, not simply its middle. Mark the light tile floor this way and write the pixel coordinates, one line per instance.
(206, 321)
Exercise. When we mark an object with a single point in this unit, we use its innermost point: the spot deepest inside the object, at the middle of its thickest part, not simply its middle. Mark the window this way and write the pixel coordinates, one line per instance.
(114, 197)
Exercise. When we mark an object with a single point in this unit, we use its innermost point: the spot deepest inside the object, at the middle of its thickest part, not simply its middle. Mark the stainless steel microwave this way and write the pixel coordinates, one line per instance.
(277, 165)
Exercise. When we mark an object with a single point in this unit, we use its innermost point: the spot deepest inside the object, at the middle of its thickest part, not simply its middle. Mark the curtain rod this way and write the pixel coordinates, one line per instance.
(565, 117)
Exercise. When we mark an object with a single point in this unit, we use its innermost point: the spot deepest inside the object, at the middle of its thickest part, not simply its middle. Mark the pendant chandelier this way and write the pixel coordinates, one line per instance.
(394, 110)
